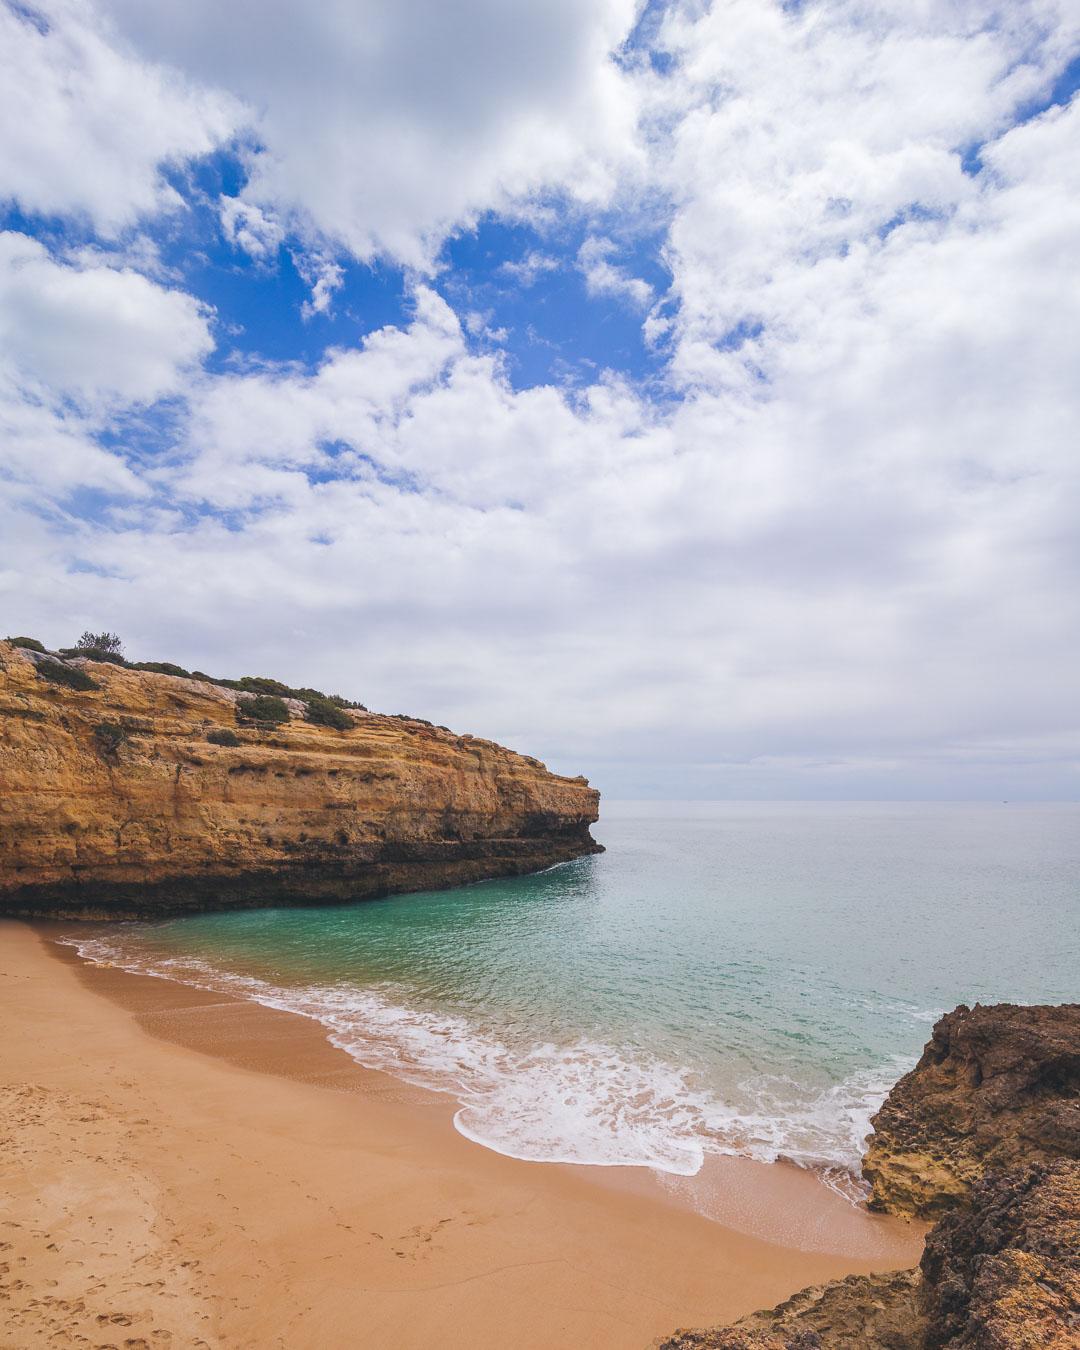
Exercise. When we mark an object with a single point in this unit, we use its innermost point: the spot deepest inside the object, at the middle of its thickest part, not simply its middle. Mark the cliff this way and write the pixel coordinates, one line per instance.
(996, 1087)
(985, 1132)
(114, 803)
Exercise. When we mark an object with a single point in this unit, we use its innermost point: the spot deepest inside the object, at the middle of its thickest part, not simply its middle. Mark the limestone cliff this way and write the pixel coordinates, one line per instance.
(986, 1131)
(113, 802)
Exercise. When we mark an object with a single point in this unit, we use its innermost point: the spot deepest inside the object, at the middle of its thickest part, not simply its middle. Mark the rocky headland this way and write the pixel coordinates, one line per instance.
(984, 1134)
(130, 792)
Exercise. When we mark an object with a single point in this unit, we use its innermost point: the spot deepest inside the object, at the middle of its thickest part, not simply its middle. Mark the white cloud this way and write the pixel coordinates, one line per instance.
(801, 137)
(80, 341)
(324, 276)
(534, 264)
(385, 126)
(248, 228)
(88, 126)
(93, 333)
(606, 278)
(840, 549)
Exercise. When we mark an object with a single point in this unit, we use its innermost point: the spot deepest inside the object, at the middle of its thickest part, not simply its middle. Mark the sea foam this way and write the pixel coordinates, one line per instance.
(584, 1102)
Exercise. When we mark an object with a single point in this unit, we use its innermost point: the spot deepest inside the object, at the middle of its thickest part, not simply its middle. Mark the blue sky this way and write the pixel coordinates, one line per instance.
(681, 392)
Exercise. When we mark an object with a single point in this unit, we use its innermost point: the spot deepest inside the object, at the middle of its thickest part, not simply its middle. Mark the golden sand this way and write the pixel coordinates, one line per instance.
(183, 1170)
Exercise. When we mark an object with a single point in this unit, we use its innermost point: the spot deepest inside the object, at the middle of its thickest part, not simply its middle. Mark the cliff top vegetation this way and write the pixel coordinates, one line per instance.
(323, 709)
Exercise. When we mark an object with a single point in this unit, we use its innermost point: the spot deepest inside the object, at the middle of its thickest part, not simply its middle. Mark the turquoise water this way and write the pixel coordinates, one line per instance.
(728, 977)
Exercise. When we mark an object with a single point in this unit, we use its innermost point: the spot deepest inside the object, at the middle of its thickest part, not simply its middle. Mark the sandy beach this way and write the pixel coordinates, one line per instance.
(188, 1170)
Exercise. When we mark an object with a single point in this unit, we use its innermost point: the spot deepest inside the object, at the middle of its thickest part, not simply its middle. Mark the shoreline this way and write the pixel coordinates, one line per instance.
(309, 1195)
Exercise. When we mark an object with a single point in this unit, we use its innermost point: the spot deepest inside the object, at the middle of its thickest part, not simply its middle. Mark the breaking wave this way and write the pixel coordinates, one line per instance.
(584, 1102)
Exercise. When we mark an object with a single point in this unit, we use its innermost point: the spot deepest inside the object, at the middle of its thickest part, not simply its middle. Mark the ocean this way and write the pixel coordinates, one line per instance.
(728, 978)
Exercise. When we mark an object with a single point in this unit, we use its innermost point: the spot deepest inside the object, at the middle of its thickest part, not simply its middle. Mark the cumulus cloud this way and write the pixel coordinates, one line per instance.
(88, 125)
(831, 549)
(324, 276)
(385, 126)
(95, 334)
(248, 228)
(80, 341)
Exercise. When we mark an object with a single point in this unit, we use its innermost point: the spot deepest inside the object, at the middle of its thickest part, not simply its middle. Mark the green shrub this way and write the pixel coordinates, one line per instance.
(213, 679)
(161, 668)
(109, 737)
(324, 713)
(101, 642)
(94, 654)
(223, 736)
(56, 672)
(261, 684)
(31, 644)
(262, 708)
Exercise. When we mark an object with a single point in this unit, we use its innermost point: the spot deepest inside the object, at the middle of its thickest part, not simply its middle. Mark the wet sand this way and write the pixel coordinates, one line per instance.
(181, 1169)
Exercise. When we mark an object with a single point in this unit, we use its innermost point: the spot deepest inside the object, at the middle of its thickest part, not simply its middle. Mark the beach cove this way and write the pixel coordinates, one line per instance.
(187, 1169)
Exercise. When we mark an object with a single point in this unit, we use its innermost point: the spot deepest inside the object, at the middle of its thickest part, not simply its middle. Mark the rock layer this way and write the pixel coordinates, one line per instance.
(996, 1087)
(983, 1132)
(166, 822)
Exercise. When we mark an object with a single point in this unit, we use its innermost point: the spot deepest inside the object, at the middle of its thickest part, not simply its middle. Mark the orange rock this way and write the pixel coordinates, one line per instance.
(167, 822)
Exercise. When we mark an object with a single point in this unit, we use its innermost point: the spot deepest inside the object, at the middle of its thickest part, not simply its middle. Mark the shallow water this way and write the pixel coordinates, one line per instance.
(743, 978)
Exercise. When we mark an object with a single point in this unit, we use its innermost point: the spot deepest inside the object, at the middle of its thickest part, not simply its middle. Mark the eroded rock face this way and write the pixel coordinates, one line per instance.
(166, 822)
(996, 1087)
(1003, 1273)
(984, 1132)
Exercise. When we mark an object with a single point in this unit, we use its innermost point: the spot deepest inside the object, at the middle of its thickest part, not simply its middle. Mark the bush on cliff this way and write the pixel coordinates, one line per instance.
(262, 708)
(326, 714)
(223, 736)
(101, 642)
(161, 668)
(30, 644)
(56, 672)
(98, 647)
(262, 684)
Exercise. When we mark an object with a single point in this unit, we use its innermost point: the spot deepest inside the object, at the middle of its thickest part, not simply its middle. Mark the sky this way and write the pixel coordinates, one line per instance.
(684, 393)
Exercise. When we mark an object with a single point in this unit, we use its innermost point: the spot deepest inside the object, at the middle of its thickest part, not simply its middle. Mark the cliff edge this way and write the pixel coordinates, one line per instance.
(984, 1131)
(115, 803)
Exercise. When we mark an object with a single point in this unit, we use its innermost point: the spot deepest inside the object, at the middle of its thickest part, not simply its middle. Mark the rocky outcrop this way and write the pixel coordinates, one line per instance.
(115, 803)
(996, 1087)
(1003, 1273)
(983, 1132)
(863, 1312)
